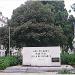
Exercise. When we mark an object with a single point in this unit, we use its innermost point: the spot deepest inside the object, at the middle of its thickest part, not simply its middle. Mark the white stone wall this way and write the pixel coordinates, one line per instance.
(3, 20)
(41, 56)
(2, 53)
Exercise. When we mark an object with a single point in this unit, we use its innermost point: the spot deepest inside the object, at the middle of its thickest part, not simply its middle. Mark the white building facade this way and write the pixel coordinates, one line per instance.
(14, 51)
(3, 20)
(2, 52)
(41, 56)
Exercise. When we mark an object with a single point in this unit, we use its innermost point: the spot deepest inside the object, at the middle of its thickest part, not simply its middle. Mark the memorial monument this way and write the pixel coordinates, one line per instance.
(41, 56)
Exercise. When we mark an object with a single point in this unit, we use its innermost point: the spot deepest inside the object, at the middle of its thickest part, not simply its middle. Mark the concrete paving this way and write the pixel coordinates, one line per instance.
(46, 73)
(27, 69)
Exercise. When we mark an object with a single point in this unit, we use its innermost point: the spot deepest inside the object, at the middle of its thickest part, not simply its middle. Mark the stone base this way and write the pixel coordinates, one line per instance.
(24, 69)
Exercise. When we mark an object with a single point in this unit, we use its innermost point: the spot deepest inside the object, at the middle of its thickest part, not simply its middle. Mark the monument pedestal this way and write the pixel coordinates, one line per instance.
(26, 69)
(41, 56)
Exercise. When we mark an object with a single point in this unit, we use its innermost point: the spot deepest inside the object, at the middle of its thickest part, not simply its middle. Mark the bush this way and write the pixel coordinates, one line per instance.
(64, 71)
(68, 59)
(8, 61)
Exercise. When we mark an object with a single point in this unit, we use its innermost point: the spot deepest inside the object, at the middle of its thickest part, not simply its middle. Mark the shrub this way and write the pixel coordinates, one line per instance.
(67, 58)
(64, 71)
(8, 61)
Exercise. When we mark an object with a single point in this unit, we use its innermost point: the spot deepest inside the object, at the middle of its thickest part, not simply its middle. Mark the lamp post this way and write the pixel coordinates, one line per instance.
(9, 40)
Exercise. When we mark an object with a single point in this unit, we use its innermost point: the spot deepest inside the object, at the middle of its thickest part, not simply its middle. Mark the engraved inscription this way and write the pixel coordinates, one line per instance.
(40, 53)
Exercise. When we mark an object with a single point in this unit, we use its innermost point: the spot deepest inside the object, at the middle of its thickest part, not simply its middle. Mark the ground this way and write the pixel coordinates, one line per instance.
(26, 69)
(46, 73)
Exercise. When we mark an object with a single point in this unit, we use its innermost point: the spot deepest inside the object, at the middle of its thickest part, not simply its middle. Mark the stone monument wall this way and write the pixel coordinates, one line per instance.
(41, 56)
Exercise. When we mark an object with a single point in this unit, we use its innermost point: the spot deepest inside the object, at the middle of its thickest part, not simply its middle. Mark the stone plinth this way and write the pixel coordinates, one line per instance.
(41, 56)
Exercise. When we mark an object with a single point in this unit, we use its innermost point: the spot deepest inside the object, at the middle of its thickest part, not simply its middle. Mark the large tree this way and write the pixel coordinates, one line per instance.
(39, 34)
(4, 37)
(37, 23)
(73, 6)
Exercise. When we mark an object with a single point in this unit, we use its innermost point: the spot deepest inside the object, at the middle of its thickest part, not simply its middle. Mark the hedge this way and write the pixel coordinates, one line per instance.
(68, 59)
(9, 61)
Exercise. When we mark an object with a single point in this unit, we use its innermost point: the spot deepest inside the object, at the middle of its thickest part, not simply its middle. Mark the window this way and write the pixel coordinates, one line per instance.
(55, 59)
(1, 25)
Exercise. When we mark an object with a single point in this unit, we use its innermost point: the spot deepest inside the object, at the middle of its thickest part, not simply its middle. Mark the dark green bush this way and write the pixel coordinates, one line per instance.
(67, 58)
(8, 61)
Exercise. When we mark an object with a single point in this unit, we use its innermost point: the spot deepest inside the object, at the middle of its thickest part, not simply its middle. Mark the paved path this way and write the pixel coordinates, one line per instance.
(24, 69)
(46, 73)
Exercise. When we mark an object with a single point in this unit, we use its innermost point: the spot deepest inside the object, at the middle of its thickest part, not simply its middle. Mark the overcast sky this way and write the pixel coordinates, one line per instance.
(68, 4)
(7, 6)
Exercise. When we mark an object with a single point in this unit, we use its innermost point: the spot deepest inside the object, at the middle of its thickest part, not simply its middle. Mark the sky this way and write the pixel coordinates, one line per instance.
(68, 4)
(7, 6)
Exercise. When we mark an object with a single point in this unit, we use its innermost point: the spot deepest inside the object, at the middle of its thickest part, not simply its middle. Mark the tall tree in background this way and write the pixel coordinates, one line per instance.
(4, 37)
(73, 7)
(37, 23)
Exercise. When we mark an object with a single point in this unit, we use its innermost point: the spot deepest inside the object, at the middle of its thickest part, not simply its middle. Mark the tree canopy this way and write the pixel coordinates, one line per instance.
(73, 7)
(41, 23)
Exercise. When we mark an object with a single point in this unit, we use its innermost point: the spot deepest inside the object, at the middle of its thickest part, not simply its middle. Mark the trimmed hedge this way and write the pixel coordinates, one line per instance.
(8, 61)
(68, 59)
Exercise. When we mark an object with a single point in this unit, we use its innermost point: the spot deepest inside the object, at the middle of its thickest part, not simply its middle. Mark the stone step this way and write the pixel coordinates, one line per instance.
(36, 69)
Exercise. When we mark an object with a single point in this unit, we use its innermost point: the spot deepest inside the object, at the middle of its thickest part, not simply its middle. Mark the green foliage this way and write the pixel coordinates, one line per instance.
(38, 34)
(68, 59)
(8, 61)
(64, 71)
(73, 7)
(4, 36)
(39, 23)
